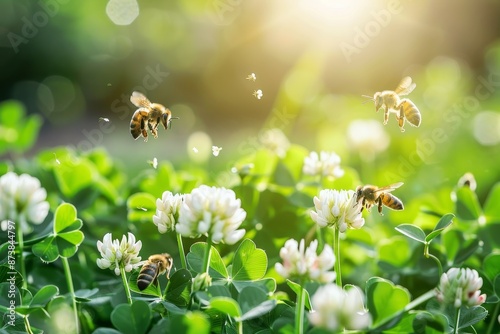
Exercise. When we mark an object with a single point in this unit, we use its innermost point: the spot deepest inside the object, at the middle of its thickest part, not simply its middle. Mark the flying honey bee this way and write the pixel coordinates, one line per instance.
(149, 115)
(403, 108)
(155, 266)
(372, 195)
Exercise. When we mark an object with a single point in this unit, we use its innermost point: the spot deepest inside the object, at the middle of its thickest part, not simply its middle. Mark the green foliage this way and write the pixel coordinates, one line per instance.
(397, 258)
(18, 132)
(132, 319)
(65, 238)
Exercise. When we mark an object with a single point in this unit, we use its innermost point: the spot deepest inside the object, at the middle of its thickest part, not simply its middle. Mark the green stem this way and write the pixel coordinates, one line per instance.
(125, 285)
(494, 316)
(299, 311)
(319, 237)
(27, 325)
(440, 267)
(240, 327)
(457, 316)
(69, 282)
(336, 251)
(20, 243)
(206, 258)
(429, 255)
(181, 250)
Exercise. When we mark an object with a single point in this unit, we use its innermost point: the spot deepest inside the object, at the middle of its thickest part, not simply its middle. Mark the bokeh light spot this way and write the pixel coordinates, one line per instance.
(486, 128)
(203, 144)
(122, 12)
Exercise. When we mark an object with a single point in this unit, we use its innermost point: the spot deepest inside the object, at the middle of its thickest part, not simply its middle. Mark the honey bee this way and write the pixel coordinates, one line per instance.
(403, 108)
(372, 195)
(155, 265)
(149, 115)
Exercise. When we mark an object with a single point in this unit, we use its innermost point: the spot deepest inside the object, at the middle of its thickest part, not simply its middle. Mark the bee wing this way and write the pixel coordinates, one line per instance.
(405, 87)
(139, 100)
(389, 188)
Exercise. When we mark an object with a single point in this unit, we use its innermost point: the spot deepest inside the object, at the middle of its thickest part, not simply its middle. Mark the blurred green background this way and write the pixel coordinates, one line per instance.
(74, 62)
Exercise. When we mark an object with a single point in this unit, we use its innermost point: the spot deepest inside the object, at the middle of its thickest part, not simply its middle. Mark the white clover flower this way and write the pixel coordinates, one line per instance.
(116, 254)
(211, 211)
(460, 287)
(338, 209)
(368, 137)
(22, 200)
(335, 309)
(305, 264)
(275, 141)
(324, 164)
(167, 211)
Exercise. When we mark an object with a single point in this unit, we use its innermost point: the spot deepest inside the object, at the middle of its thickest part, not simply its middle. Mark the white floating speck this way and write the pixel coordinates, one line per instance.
(57, 160)
(252, 77)
(258, 94)
(104, 119)
(195, 150)
(153, 162)
(216, 150)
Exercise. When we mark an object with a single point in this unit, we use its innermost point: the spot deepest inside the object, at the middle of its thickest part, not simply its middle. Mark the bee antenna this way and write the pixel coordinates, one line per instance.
(370, 98)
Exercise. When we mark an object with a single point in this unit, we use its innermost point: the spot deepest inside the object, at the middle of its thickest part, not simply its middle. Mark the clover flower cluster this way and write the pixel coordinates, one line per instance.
(167, 211)
(460, 287)
(116, 254)
(335, 309)
(211, 211)
(324, 164)
(337, 209)
(22, 200)
(305, 264)
(275, 141)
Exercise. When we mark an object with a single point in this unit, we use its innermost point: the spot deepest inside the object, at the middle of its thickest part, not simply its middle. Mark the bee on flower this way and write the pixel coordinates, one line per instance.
(337, 209)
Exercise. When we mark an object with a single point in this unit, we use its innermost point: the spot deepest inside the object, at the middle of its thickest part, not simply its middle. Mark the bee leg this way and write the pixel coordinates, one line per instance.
(143, 130)
(401, 117)
(152, 128)
(379, 204)
(156, 127)
(386, 115)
